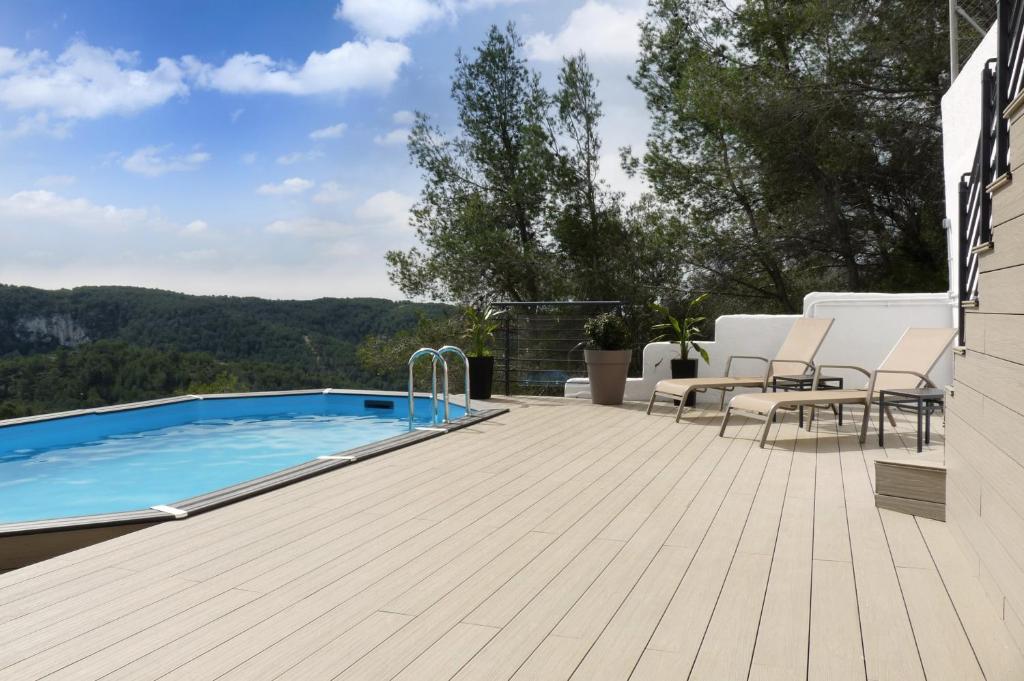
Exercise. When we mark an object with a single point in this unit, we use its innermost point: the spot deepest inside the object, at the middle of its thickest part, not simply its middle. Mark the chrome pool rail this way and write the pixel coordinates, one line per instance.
(451, 349)
(433, 387)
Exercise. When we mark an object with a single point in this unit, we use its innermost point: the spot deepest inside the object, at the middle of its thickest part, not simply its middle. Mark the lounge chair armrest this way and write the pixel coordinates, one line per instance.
(728, 362)
(922, 377)
(854, 367)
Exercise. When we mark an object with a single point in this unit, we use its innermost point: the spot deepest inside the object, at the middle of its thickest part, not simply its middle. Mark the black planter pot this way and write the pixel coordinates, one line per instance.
(481, 374)
(685, 368)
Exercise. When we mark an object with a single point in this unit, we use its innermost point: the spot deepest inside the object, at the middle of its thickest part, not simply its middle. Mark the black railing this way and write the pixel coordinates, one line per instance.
(975, 214)
(539, 344)
(1002, 81)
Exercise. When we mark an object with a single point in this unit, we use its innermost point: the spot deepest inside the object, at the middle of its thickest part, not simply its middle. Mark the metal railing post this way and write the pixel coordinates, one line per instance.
(963, 252)
(508, 351)
(1003, 39)
(988, 139)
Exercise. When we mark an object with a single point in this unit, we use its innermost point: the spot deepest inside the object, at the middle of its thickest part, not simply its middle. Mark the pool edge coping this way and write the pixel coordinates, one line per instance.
(244, 490)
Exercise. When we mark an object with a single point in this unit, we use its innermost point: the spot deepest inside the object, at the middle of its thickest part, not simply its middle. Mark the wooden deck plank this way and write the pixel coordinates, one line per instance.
(999, 657)
(444, 659)
(836, 648)
(510, 648)
(780, 650)
(555, 658)
(835, 640)
(945, 650)
(890, 649)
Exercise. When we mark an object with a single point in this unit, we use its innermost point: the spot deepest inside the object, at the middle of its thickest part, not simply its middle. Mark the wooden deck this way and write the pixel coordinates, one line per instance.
(561, 540)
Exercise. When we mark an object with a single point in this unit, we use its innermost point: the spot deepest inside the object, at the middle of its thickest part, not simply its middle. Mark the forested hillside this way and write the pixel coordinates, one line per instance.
(92, 346)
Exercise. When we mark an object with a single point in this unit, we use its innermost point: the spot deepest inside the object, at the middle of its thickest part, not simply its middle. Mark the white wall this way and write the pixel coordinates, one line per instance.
(866, 326)
(961, 127)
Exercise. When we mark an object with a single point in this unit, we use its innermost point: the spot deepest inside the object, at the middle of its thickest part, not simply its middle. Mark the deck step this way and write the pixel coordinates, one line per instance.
(911, 486)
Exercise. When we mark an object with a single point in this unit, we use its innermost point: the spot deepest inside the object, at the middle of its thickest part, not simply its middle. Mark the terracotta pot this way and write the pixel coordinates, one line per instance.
(481, 375)
(607, 371)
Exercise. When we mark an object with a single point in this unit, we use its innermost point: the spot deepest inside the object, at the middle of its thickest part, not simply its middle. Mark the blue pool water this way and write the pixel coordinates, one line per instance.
(134, 459)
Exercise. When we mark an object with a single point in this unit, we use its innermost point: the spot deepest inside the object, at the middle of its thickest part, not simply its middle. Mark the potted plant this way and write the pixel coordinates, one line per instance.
(682, 333)
(607, 354)
(480, 327)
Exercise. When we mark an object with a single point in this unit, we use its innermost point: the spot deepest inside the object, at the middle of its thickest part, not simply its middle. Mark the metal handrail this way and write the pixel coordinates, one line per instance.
(433, 387)
(465, 362)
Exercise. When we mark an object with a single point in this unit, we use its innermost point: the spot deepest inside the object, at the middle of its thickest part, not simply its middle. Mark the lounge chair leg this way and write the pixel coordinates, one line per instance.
(767, 426)
(650, 405)
(682, 404)
(864, 423)
(721, 401)
(725, 421)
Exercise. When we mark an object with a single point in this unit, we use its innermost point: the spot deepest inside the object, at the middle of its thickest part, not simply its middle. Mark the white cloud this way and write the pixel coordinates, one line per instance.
(403, 117)
(291, 186)
(331, 192)
(389, 209)
(400, 18)
(86, 81)
(309, 228)
(45, 208)
(299, 156)
(149, 161)
(601, 30)
(56, 181)
(353, 65)
(393, 138)
(249, 158)
(329, 133)
(390, 19)
(195, 227)
(89, 82)
(40, 123)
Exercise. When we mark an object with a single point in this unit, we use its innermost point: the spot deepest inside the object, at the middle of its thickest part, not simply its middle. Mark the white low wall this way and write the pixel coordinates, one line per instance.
(866, 326)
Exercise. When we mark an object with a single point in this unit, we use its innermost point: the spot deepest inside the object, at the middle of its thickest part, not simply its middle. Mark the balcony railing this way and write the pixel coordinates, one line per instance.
(1002, 81)
(539, 345)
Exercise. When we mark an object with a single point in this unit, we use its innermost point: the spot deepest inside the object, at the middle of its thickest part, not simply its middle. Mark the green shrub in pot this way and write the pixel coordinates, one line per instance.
(480, 327)
(682, 333)
(607, 353)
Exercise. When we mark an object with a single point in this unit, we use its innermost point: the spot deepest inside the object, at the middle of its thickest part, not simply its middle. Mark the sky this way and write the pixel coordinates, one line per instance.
(251, 147)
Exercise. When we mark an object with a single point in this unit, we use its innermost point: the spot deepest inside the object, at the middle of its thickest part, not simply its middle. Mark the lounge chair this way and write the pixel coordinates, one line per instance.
(795, 357)
(906, 366)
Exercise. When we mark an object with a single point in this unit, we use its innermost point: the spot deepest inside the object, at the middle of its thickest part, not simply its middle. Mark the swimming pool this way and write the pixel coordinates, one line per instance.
(136, 458)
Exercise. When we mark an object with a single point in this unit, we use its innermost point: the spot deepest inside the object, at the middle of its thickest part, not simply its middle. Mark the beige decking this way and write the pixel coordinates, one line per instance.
(559, 541)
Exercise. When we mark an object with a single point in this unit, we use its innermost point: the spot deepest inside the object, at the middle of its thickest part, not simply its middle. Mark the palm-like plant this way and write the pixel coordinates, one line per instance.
(480, 327)
(682, 331)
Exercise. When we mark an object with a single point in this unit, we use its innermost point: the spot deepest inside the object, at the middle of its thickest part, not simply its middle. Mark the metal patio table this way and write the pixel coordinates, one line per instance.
(925, 399)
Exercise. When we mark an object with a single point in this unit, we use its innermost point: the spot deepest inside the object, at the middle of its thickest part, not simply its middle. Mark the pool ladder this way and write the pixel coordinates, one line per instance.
(437, 358)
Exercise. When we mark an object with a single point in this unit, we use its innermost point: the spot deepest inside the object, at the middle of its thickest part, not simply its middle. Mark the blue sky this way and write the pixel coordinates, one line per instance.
(250, 148)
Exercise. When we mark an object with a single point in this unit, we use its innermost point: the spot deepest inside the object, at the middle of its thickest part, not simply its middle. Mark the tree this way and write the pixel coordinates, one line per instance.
(513, 206)
(799, 142)
(480, 217)
(586, 217)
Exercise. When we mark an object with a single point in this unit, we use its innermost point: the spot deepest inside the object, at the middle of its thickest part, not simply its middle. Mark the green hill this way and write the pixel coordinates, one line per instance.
(90, 346)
